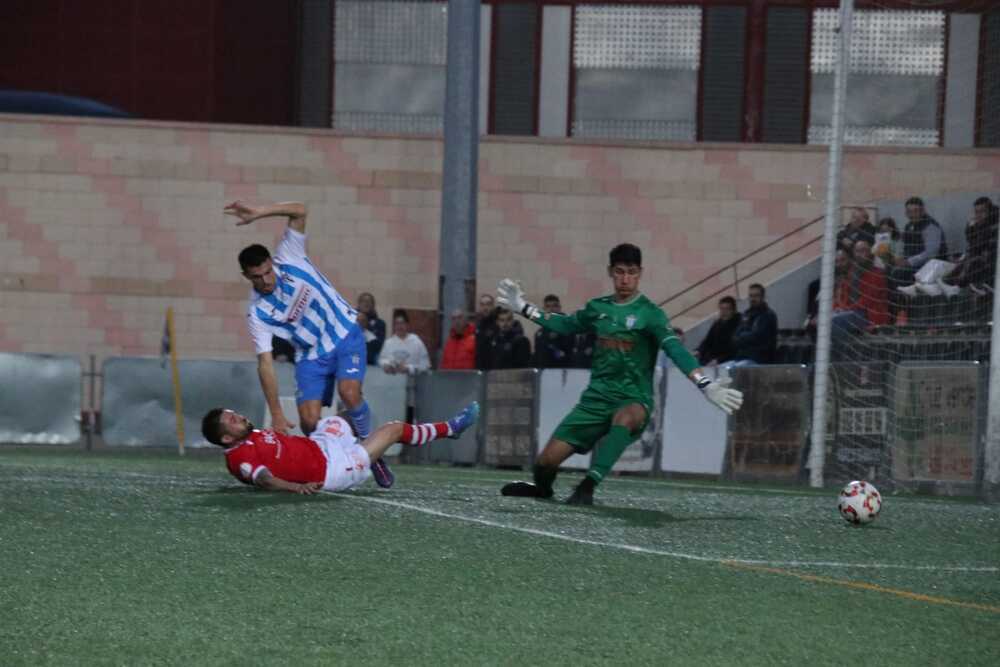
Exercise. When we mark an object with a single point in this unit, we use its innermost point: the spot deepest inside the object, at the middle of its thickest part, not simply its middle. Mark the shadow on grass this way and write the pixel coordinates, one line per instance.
(245, 498)
(646, 518)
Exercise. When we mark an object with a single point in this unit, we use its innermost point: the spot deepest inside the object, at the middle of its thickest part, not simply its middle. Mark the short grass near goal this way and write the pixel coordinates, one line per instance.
(142, 558)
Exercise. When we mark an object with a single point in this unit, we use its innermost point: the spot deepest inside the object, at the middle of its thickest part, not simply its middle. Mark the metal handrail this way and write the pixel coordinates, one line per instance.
(732, 265)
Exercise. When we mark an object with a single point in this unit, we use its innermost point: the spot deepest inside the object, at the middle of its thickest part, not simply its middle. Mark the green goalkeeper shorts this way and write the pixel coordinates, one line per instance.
(589, 421)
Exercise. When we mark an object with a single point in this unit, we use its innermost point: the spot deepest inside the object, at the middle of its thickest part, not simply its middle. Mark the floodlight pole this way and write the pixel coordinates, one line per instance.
(817, 451)
(460, 177)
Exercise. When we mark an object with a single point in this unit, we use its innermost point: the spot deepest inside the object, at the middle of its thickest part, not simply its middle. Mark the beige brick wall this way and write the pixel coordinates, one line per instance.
(103, 224)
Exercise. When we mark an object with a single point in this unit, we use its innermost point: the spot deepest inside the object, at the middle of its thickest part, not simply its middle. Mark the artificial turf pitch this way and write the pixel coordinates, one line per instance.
(144, 558)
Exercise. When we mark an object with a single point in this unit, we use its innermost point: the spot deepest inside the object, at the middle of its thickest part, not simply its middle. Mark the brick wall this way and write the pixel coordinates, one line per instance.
(103, 224)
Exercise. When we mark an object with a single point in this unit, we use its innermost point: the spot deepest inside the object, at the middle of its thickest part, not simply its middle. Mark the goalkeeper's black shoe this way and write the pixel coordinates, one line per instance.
(525, 490)
(583, 494)
(581, 497)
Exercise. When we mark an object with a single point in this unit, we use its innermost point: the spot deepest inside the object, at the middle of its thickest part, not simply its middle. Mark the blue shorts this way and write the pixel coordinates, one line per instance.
(316, 378)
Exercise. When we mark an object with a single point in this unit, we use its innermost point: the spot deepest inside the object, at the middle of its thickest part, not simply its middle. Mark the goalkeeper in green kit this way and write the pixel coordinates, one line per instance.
(618, 402)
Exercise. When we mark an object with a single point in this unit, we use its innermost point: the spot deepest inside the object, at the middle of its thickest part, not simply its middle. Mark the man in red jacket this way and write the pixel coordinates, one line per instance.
(460, 348)
(860, 299)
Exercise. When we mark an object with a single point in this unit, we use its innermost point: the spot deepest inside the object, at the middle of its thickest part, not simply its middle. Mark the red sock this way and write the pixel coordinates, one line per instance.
(420, 434)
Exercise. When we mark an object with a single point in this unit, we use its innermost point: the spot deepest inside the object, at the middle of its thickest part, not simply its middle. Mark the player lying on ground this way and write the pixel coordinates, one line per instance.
(618, 402)
(331, 459)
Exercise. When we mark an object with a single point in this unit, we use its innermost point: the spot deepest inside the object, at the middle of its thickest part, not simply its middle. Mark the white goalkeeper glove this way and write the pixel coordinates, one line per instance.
(718, 392)
(511, 296)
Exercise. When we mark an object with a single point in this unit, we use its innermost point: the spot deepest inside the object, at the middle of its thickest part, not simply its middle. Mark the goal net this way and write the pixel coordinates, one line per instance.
(907, 386)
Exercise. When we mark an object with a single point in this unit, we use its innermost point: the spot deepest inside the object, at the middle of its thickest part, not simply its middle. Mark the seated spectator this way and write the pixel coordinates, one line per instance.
(282, 350)
(923, 240)
(858, 228)
(553, 350)
(717, 345)
(977, 267)
(888, 243)
(403, 352)
(509, 348)
(840, 265)
(460, 348)
(366, 305)
(370, 341)
(756, 338)
(860, 299)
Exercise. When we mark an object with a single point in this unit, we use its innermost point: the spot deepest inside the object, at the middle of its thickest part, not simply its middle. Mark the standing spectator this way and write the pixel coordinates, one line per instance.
(717, 346)
(756, 337)
(583, 350)
(923, 240)
(486, 327)
(460, 348)
(403, 352)
(858, 228)
(509, 347)
(376, 325)
(371, 343)
(552, 349)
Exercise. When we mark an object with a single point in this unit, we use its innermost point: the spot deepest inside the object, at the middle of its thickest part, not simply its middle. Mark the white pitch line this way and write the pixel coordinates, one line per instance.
(670, 554)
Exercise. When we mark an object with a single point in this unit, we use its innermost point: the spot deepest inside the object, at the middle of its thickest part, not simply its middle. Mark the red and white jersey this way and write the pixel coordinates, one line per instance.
(293, 458)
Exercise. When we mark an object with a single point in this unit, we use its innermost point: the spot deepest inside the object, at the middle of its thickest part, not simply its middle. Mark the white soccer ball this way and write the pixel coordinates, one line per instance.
(860, 502)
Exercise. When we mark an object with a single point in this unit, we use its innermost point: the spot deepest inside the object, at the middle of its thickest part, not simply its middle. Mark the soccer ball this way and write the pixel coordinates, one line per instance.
(860, 502)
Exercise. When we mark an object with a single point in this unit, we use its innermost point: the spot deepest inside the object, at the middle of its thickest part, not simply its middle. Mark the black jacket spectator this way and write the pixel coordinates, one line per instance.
(553, 350)
(757, 336)
(718, 344)
(858, 229)
(376, 325)
(509, 347)
(923, 239)
(486, 331)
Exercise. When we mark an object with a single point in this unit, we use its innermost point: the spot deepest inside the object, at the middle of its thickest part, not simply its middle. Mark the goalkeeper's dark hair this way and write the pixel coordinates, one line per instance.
(253, 255)
(626, 253)
(211, 426)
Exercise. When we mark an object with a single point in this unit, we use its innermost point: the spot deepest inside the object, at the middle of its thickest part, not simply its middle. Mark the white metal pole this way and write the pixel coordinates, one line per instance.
(817, 452)
(991, 458)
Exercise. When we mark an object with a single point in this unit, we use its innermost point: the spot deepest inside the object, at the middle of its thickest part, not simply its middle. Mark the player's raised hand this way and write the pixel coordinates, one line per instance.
(728, 400)
(246, 214)
(511, 296)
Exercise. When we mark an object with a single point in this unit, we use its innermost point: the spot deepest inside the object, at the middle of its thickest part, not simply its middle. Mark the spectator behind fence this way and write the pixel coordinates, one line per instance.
(282, 350)
(403, 352)
(977, 267)
(486, 326)
(717, 345)
(370, 341)
(376, 325)
(923, 240)
(888, 244)
(756, 337)
(583, 350)
(860, 299)
(509, 347)
(858, 228)
(553, 350)
(460, 348)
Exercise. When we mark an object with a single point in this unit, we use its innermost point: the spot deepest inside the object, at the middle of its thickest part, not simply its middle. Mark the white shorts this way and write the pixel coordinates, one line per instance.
(347, 463)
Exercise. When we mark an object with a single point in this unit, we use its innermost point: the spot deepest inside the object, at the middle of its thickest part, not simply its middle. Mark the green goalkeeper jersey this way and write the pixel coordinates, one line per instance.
(629, 337)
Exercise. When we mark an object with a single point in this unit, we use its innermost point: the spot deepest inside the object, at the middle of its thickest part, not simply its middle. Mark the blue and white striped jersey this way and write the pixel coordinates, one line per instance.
(304, 308)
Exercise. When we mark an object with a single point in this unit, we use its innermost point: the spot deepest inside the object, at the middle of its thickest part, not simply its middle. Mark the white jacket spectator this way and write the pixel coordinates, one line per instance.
(403, 352)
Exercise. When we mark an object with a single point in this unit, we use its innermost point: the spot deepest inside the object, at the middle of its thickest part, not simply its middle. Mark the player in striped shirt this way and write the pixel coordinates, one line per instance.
(293, 300)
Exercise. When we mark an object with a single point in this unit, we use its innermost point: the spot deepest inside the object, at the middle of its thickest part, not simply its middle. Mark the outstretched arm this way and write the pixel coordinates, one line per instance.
(511, 296)
(269, 482)
(269, 385)
(716, 391)
(294, 211)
